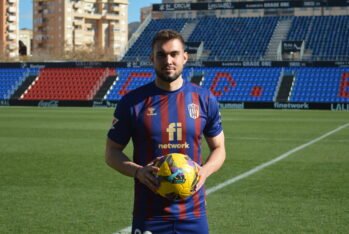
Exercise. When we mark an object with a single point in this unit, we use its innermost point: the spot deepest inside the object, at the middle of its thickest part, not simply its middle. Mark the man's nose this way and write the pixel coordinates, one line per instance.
(168, 59)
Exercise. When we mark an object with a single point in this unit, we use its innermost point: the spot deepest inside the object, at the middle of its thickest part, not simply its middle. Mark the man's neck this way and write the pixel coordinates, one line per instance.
(173, 86)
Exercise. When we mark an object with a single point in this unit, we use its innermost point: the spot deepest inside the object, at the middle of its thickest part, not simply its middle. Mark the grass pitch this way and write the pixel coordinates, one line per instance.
(54, 179)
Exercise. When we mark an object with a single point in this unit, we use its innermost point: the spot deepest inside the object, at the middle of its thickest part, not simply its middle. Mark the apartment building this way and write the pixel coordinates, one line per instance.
(8, 29)
(63, 26)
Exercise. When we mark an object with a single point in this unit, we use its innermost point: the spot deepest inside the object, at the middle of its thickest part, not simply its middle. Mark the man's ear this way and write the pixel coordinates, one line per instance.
(151, 57)
(186, 57)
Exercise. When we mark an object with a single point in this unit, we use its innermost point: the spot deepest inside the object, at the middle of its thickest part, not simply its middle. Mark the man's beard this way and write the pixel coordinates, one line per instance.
(167, 78)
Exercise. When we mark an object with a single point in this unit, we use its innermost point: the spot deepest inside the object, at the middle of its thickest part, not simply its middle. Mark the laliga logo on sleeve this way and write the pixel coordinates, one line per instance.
(115, 120)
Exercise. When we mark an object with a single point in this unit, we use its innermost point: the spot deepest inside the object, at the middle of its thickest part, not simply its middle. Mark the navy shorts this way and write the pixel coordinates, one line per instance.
(191, 226)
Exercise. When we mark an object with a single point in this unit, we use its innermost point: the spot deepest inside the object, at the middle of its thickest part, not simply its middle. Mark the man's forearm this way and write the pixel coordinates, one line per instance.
(117, 160)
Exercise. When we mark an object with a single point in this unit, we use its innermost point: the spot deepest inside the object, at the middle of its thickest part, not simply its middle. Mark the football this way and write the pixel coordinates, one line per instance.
(178, 176)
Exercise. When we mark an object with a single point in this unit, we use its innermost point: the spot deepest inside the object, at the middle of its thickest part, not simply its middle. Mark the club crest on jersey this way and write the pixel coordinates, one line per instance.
(194, 111)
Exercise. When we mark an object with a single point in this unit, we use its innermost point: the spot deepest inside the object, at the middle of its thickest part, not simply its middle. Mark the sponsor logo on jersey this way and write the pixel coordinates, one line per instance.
(174, 131)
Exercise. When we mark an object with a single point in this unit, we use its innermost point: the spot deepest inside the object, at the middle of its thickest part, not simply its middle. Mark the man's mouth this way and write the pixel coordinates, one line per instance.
(169, 68)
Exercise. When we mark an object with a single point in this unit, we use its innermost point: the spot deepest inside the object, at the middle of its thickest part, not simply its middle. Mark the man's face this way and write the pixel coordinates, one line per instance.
(169, 59)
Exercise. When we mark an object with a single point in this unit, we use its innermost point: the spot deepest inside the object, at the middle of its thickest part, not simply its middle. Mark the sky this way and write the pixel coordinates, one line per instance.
(26, 11)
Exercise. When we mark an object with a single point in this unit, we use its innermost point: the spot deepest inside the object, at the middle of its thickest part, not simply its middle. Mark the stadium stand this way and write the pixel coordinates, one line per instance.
(326, 37)
(129, 79)
(223, 39)
(251, 84)
(234, 38)
(228, 84)
(247, 39)
(67, 84)
(320, 85)
(10, 79)
(240, 84)
(142, 47)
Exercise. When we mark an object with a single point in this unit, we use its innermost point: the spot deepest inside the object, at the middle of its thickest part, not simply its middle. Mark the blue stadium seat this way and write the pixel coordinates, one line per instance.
(10, 79)
(325, 36)
(321, 85)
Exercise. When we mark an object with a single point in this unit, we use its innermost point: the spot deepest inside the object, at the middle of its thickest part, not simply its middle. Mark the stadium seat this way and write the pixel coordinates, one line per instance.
(67, 84)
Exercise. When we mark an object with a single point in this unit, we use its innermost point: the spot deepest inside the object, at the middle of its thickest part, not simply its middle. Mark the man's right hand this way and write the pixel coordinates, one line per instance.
(147, 176)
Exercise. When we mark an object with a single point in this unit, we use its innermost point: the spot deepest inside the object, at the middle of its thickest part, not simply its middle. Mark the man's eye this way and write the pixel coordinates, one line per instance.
(174, 54)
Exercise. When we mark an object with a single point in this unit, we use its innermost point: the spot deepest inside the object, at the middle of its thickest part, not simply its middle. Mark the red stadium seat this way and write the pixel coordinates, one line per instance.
(67, 83)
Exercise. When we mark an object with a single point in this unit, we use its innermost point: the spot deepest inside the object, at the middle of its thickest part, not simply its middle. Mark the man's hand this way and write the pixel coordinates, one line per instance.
(202, 178)
(147, 175)
(214, 160)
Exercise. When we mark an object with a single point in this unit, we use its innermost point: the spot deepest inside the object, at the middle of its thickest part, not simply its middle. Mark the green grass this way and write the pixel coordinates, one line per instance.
(54, 179)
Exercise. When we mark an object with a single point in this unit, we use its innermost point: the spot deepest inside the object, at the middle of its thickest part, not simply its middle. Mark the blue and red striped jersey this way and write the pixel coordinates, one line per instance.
(161, 122)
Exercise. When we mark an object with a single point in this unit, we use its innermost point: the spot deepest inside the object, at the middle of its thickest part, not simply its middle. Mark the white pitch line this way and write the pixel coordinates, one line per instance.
(124, 231)
(269, 163)
(260, 167)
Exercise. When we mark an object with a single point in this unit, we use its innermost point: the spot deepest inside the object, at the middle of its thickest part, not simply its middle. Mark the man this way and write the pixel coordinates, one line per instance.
(159, 117)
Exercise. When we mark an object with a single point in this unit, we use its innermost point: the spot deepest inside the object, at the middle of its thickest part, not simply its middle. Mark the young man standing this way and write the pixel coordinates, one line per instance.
(164, 113)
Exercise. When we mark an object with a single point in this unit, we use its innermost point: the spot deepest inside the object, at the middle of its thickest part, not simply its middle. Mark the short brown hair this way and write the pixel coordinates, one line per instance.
(166, 35)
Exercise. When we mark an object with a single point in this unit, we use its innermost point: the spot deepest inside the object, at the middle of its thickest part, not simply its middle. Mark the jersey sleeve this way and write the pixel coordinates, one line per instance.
(214, 123)
(120, 131)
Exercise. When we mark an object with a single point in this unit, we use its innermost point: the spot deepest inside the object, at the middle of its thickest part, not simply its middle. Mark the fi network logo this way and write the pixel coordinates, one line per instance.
(174, 129)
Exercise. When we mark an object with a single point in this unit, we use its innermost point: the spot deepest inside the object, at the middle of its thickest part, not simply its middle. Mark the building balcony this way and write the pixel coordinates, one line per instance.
(12, 54)
(11, 9)
(79, 33)
(11, 37)
(89, 34)
(79, 12)
(12, 47)
(112, 17)
(11, 28)
(119, 1)
(78, 22)
(115, 8)
(11, 18)
(88, 26)
(86, 15)
(39, 25)
(93, 16)
(78, 42)
(89, 41)
(40, 38)
(40, 6)
(77, 5)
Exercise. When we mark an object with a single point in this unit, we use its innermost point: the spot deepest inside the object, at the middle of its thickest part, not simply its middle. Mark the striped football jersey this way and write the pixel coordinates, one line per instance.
(161, 122)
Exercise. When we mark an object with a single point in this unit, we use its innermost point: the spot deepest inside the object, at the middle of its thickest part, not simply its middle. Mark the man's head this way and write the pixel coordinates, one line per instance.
(168, 55)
